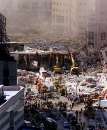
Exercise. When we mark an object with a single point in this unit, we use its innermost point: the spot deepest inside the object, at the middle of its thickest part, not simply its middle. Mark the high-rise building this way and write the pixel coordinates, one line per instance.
(84, 10)
(70, 17)
(83, 19)
(86, 20)
(27, 16)
(62, 17)
(95, 23)
(79, 19)
(8, 71)
(11, 107)
(101, 13)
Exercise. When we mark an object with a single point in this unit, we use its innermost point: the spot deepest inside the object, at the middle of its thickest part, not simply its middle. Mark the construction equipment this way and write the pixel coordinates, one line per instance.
(74, 68)
(57, 68)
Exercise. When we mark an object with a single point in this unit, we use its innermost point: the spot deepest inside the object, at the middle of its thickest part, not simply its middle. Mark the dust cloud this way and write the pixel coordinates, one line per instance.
(27, 17)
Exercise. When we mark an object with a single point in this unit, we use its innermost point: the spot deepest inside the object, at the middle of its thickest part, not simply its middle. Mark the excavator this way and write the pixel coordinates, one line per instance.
(75, 70)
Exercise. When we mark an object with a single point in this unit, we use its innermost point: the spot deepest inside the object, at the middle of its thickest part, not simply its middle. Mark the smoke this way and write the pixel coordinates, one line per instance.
(26, 17)
(34, 17)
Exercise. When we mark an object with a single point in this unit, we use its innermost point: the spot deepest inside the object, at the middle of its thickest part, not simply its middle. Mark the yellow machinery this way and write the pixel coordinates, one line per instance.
(74, 69)
(57, 69)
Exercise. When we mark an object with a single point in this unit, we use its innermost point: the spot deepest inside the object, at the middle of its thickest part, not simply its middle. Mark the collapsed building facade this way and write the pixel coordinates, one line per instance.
(32, 56)
(35, 60)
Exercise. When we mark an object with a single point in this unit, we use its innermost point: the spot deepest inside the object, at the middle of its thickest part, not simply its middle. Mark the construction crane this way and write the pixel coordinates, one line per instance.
(74, 68)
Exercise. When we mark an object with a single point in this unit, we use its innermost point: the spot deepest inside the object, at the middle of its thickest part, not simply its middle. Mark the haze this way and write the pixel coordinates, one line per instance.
(25, 16)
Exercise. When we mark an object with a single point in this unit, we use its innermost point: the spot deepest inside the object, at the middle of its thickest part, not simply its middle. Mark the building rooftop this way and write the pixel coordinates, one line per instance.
(9, 92)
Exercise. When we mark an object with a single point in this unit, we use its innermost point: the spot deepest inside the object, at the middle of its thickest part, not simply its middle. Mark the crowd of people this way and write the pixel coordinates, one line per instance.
(42, 103)
(61, 108)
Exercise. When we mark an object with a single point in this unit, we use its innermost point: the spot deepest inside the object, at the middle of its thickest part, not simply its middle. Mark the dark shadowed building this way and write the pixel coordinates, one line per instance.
(8, 72)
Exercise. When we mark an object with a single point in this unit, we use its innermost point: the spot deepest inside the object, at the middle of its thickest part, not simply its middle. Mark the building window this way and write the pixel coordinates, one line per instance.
(103, 36)
(90, 43)
(60, 19)
(91, 35)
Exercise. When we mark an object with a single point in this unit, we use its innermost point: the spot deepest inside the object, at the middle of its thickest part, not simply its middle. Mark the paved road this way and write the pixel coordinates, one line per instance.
(78, 108)
(75, 108)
